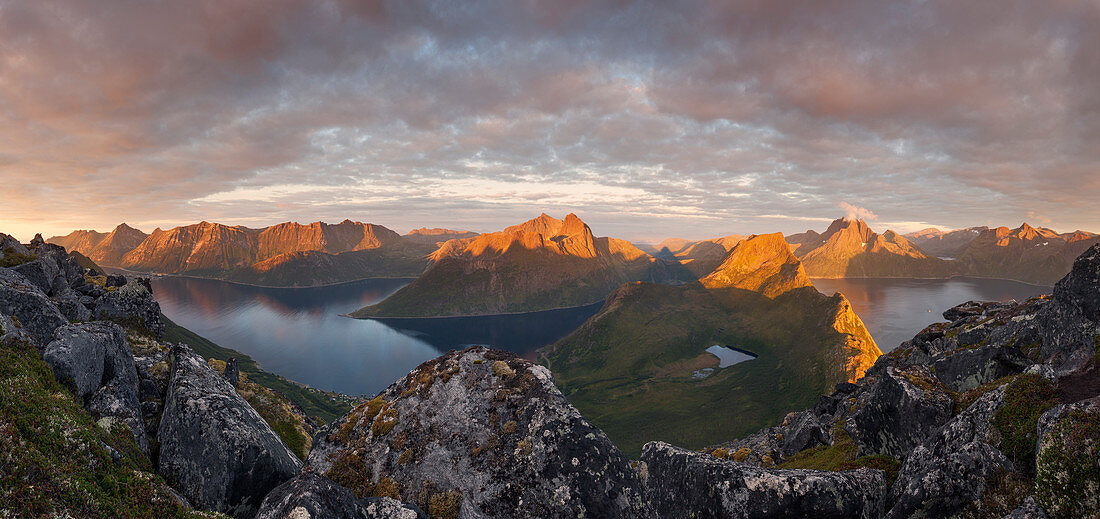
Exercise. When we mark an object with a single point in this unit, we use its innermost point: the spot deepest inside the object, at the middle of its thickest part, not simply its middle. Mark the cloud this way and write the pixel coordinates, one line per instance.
(478, 113)
(853, 212)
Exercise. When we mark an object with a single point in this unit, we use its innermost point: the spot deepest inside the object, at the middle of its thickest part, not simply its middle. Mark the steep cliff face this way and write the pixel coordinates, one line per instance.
(640, 368)
(849, 248)
(203, 246)
(1026, 253)
(538, 265)
(319, 236)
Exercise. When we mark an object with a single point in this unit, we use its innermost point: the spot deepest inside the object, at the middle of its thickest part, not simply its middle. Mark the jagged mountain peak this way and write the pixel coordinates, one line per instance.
(762, 263)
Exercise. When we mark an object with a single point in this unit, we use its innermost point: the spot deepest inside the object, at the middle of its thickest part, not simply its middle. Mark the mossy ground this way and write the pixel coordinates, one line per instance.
(1026, 398)
(1068, 475)
(54, 460)
(14, 259)
(843, 454)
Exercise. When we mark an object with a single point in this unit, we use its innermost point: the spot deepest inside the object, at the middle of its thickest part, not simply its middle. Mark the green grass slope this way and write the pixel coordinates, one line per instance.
(629, 369)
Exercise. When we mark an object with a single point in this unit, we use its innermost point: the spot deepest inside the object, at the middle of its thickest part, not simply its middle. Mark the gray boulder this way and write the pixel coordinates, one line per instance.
(684, 483)
(10, 245)
(897, 408)
(970, 368)
(132, 303)
(35, 313)
(96, 358)
(214, 448)
(1080, 287)
(484, 432)
(313, 496)
(70, 305)
(40, 273)
(798, 431)
(949, 472)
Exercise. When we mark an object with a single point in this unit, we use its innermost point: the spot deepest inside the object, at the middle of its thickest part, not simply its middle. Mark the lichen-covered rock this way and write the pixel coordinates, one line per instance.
(96, 358)
(35, 313)
(896, 409)
(214, 448)
(480, 433)
(311, 496)
(1028, 509)
(685, 483)
(1079, 287)
(232, 373)
(133, 303)
(71, 307)
(971, 368)
(39, 272)
(1067, 464)
(948, 473)
(799, 431)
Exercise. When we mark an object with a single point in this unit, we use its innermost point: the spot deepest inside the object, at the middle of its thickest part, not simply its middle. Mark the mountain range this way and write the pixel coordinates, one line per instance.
(287, 254)
(540, 264)
(641, 369)
(849, 248)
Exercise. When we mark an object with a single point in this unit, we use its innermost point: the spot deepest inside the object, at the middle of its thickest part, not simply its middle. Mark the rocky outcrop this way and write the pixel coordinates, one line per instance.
(313, 496)
(214, 448)
(29, 306)
(96, 359)
(133, 303)
(480, 433)
(895, 410)
(685, 483)
(948, 472)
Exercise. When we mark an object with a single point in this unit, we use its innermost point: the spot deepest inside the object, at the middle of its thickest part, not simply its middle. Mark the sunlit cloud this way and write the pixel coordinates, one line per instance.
(680, 118)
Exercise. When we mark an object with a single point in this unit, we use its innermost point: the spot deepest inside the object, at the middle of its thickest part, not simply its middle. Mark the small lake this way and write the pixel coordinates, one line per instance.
(299, 333)
(894, 310)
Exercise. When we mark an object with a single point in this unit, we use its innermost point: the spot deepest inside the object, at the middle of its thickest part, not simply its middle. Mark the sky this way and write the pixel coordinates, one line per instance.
(653, 119)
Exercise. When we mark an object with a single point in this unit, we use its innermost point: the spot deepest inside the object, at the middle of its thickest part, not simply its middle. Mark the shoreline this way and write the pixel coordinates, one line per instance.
(467, 316)
(185, 276)
(1039, 285)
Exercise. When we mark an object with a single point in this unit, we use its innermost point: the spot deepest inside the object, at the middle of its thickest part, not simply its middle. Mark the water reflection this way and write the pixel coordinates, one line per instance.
(299, 332)
(894, 310)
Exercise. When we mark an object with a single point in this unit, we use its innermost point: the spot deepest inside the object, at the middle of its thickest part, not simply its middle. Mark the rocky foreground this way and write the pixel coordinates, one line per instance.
(994, 413)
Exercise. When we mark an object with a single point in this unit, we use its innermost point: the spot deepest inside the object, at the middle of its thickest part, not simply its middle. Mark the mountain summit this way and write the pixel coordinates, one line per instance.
(541, 264)
(761, 263)
(849, 248)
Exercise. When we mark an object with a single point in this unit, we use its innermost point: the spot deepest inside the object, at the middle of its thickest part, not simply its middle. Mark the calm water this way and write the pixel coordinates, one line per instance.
(299, 332)
(894, 310)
